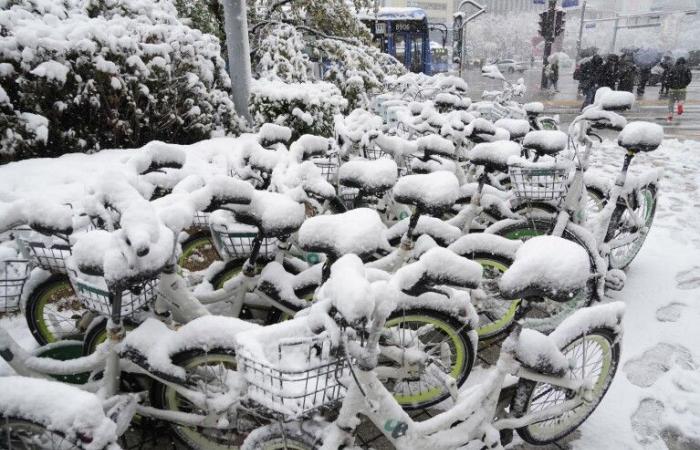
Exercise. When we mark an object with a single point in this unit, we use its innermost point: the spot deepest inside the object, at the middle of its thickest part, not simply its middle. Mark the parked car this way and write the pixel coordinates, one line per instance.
(511, 65)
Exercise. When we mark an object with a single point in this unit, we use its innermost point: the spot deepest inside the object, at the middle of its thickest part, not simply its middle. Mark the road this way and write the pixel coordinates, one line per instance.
(566, 103)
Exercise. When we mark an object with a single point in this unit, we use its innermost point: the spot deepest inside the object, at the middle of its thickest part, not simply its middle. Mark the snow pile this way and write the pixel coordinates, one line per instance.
(349, 290)
(396, 146)
(547, 142)
(534, 108)
(495, 155)
(547, 265)
(369, 176)
(611, 100)
(641, 136)
(516, 127)
(442, 232)
(271, 134)
(276, 214)
(360, 231)
(72, 411)
(131, 72)
(438, 266)
(435, 144)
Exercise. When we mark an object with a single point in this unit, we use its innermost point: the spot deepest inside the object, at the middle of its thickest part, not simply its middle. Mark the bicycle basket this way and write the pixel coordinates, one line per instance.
(96, 297)
(201, 220)
(329, 168)
(52, 258)
(539, 183)
(13, 274)
(348, 195)
(235, 244)
(284, 391)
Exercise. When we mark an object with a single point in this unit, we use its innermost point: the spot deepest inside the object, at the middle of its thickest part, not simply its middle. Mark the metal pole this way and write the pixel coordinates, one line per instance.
(614, 38)
(548, 40)
(580, 32)
(463, 56)
(236, 26)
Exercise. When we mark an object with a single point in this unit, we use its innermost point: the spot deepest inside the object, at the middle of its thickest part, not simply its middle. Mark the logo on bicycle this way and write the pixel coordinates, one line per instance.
(396, 427)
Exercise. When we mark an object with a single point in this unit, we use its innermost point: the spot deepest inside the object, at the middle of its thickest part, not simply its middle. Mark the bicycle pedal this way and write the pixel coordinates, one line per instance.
(615, 279)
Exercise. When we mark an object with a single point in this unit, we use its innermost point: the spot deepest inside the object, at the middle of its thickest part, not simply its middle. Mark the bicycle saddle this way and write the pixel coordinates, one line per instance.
(227, 191)
(546, 267)
(517, 128)
(271, 134)
(533, 108)
(442, 232)
(359, 231)
(494, 155)
(273, 214)
(309, 146)
(540, 353)
(438, 266)
(546, 142)
(641, 137)
(431, 193)
(372, 177)
(604, 119)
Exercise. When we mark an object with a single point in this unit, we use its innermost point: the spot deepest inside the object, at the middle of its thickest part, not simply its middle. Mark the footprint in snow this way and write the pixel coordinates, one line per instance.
(645, 421)
(670, 313)
(688, 279)
(645, 370)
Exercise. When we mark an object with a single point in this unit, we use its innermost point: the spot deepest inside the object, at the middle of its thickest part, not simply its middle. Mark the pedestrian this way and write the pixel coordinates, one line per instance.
(609, 75)
(644, 75)
(590, 78)
(666, 65)
(627, 73)
(554, 75)
(678, 80)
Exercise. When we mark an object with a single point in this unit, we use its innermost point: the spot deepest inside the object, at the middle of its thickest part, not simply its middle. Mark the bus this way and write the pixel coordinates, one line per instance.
(404, 34)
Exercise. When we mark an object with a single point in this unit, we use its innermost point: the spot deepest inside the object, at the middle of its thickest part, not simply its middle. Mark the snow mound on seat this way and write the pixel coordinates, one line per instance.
(58, 406)
(360, 231)
(436, 144)
(516, 127)
(548, 263)
(309, 145)
(547, 140)
(438, 266)
(431, 226)
(349, 290)
(437, 190)
(640, 135)
(396, 146)
(276, 211)
(496, 153)
(369, 174)
(615, 100)
(485, 243)
(534, 108)
(271, 132)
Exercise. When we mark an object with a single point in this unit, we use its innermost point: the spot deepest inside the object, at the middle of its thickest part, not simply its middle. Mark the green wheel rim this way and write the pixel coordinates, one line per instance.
(174, 402)
(41, 309)
(622, 256)
(201, 246)
(457, 366)
(498, 325)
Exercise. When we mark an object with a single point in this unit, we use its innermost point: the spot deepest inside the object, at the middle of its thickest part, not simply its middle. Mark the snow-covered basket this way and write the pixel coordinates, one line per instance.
(329, 168)
(539, 181)
(291, 376)
(201, 220)
(94, 294)
(13, 274)
(51, 257)
(235, 241)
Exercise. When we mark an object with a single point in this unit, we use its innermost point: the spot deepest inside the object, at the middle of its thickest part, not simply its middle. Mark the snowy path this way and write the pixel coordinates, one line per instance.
(654, 402)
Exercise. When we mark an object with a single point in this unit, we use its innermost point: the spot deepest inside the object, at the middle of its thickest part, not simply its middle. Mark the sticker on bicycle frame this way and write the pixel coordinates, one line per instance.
(313, 258)
(396, 427)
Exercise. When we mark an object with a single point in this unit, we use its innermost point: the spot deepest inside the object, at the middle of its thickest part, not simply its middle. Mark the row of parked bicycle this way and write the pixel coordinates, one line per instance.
(399, 248)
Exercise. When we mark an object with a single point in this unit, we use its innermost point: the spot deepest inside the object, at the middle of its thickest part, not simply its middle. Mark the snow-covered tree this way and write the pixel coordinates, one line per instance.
(280, 54)
(107, 73)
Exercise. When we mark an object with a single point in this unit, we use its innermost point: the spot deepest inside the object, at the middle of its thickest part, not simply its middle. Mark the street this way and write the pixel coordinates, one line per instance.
(567, 104)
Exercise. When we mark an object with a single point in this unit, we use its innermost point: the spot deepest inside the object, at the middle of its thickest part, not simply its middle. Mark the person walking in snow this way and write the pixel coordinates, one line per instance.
(666, 65)
(678, 80)
(590, 78)
(627, 73)
(554, 75)
(610, 72)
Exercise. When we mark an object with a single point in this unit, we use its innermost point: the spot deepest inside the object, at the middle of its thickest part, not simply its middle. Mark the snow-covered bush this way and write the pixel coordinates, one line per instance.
(106, 73)
(306, 108)
(280, 54)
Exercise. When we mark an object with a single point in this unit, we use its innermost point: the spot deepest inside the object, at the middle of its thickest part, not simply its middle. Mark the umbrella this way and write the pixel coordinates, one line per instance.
(559, 57)
(680, 53)
(647, 57)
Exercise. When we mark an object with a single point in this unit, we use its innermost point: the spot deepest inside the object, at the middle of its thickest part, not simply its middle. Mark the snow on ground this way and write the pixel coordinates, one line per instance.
(654, 402)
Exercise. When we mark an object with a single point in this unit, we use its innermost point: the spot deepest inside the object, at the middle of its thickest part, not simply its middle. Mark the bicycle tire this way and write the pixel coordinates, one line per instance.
(282, 436)
(198, 252)
(19, 433)
(650, 199)
(525, 389)
(53, 290)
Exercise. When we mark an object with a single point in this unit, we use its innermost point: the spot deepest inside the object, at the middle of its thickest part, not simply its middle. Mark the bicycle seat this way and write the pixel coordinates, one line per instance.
(604, 119)
(517, 128)
(641, 137)
(50, 218)
(431, 193)
(309, 146)
(273, 214)
(540, 353)
(616, 100)
(227, 191)
(533, 108)
(481, 126)
(442, 232)
(271, 134)
(160, 156)
(437, 266)
(152, 344)
(371, 177)
(288, 289)
(546, 142)
(359, 231)
(546, 267)
(435, 145)
(494, 155)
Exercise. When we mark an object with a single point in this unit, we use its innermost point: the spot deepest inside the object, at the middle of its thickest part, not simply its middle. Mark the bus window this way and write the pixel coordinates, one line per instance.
(400, 46)
(416, 53)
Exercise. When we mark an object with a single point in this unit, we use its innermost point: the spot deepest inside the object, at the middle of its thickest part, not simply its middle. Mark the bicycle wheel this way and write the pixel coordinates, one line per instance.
(53, 311)
(198, 252)
(281, 436)
(595, 355)
(23, 434)
(596, 200)
(623, 226)
(545, 315)
(208, 372)
(439, 335)
(97, 334)
(496, 313)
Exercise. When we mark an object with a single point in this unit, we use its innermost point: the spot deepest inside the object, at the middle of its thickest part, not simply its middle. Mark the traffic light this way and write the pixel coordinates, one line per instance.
(559, 22)
(545, 27)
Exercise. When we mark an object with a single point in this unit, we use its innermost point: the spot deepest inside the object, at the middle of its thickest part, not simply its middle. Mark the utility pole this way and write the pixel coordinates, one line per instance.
(236, 27)
(614, 38)
(547, 32)
(579, 42)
